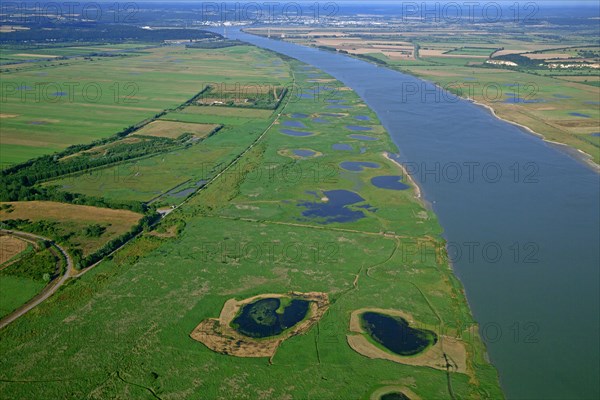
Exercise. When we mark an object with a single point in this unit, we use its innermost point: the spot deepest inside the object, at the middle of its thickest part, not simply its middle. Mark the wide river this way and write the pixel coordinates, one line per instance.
(532, 279)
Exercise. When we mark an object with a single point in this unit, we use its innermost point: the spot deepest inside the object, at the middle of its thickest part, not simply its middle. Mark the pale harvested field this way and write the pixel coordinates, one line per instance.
(39, 210)
(10, 246)
(172, 130)
(75, 218)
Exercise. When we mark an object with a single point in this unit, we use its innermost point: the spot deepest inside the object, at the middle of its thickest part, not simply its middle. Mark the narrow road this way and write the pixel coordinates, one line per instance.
(49, 290)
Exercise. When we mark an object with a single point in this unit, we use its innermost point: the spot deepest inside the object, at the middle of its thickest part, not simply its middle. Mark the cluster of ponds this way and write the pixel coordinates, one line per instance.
(271, 316)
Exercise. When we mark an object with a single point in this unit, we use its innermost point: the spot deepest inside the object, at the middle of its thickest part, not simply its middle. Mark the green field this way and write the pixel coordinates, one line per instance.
(16, 291)
(243, 235)
(46, 109)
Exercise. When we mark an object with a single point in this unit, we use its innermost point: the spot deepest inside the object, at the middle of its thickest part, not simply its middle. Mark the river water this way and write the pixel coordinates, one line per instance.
(524, 244)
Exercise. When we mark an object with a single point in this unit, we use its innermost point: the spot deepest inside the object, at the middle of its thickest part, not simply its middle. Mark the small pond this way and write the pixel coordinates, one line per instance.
(270, 316)
(358, 166)
(342, 146)
(576, 114)
(395, 334)
(293, 124)
(336, 208)
(390, 182)
(304, 152)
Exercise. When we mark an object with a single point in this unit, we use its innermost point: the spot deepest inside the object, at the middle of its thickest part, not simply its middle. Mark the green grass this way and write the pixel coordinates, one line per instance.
(16, 291)
(242, 236)
(128, 89)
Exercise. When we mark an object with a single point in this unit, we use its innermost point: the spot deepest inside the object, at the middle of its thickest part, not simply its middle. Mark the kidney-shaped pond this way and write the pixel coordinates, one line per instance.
(395, 334)
(270, 316)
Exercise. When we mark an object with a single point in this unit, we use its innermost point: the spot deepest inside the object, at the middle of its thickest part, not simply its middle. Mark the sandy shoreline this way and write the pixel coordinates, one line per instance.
(410, 178)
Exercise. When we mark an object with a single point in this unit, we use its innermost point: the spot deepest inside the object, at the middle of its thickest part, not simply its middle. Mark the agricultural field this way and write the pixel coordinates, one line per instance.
(82, 229)
(42, 106)
(173, 130)
(10, 248)
(315, 206)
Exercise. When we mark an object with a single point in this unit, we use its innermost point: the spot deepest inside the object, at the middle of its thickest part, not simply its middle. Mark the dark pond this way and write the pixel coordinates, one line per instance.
(358, 128)
(304, 153)
(394, 396)
(576, 114)
(596, 134)
(363, 137)
(362, 118)
(186, 192)
(395, 334)
(263, 318)
(337, 209)
(342, 146)
(299, 115)
(291, 132)
(389, 182)
(293, 124)
(358, 166)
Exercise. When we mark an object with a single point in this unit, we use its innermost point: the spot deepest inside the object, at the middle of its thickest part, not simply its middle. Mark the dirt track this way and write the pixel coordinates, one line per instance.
(49, 290)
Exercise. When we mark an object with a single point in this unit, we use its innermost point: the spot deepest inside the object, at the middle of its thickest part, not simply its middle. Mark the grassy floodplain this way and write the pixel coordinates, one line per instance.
(49, 106)
(248, 233)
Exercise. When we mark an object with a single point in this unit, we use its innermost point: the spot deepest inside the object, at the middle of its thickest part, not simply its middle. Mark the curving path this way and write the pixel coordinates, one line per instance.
(49, 290)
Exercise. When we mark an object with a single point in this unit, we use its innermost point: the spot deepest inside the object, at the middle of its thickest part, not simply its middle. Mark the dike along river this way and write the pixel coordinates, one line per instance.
(537, 302)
